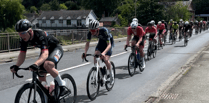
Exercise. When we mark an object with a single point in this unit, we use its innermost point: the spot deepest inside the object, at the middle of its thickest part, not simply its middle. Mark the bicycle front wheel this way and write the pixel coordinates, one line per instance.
(26, 94)
(132, 64)
(92, 84)
(109, 84)
(72, 90)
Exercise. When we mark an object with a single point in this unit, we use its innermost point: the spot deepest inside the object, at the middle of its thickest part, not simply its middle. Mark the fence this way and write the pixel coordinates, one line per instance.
(10, 41)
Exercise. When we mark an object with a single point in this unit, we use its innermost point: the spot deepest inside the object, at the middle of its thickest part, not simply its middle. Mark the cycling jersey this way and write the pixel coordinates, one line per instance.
(187, 27)
(40, 39)
(181, 24)
(153, 30)
(161, 27)
(139, 31)
(175, 26)
(165, 25)
(104, 37)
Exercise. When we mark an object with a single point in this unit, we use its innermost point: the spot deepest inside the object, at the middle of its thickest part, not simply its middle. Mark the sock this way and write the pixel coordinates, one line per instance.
(60, 81)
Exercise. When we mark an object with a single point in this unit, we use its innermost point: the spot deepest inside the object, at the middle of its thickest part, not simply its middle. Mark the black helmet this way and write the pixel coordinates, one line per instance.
(163, 21)
(149, 24)
(23, 25)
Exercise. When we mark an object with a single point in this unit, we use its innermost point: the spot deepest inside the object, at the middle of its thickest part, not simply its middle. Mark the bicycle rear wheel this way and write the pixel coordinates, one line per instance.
(132, 64)
(92, 84)
(108, 84)
(26, 94)
(71, 86)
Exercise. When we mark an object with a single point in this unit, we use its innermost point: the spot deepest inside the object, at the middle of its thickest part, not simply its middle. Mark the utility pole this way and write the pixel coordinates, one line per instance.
(135, 8)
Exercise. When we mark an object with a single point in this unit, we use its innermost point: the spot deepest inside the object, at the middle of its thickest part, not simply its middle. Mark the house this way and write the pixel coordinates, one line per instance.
(108, 21)
(205, 16)
(65, 19)
(188, 3)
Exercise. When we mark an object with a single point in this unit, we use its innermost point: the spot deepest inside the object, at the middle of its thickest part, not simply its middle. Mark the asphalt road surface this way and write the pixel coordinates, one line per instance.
(127, 89)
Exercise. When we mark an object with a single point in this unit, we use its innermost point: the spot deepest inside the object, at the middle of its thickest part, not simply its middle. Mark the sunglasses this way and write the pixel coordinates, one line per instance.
(23, 33)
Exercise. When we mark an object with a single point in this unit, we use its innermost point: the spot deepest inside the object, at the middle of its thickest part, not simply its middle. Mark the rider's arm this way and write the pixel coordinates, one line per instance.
(21, 58)
(128, 36)
(88, 42)
(43, 57)
(141, 31)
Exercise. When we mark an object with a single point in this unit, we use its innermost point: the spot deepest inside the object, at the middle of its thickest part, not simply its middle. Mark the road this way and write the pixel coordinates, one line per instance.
(127, 89)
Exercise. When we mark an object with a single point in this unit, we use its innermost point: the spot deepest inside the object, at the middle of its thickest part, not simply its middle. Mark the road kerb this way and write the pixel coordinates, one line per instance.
(169, 83)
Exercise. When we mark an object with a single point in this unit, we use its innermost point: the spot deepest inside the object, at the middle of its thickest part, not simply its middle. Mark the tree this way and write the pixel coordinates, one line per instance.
(54, 5)
(45, 7)
(33, 9)
(178, 11)
(149, 10)
(72, 5)
(62, 6)
(101, 6)
(10, 12)
(201, 6)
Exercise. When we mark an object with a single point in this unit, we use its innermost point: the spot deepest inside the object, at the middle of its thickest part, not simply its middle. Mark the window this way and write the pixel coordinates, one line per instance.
(52, 21)
(68, 22)
(43, 21)
(90, 20)
(60, 21)
(78, 22)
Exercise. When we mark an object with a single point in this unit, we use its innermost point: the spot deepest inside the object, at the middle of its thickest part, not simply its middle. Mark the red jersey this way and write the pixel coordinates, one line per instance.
(153, 30)
(139, 31)
(161, 27)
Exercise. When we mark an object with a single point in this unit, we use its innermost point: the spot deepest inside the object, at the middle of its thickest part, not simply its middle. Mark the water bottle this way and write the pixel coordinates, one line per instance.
(51, 87)
(138, 56)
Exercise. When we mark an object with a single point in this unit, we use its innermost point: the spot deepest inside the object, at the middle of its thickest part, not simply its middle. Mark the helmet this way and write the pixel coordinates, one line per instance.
(149, 24)
(159, 22)
(181, 20)
(171, 20)
(134, 24)
(94, 24)
(201, 21)
(135, 19)
(152, 22)
(175, 22)
(23, 25)
(163, 21)
(186, 22)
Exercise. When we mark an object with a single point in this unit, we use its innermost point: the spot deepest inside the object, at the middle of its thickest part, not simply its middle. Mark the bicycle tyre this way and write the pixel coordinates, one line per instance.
(107, 83)
(24, 88)
(132, 55)
(70, 78)
(93, 69)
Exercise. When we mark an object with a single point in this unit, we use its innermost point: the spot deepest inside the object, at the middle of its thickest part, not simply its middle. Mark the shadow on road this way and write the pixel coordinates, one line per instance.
(179, 46)
(124, 75)
(85, 99)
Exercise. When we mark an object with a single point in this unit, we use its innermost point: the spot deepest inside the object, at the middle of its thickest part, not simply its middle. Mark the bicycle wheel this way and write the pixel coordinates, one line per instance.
(92, 84)
(71, 86)
(132, 64)
(26, 94)
(154, 51)
(108, 85)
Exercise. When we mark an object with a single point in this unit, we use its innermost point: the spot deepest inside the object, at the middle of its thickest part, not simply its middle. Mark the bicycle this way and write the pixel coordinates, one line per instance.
(95, 76)
(151, 49)
(27, 94)
(180, 33)
(160, 39)
(196, 29)
(133, 62)
(185, 38)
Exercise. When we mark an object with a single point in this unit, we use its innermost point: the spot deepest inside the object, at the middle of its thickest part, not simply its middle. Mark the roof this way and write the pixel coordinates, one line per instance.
(203, 15)
(65, 14)
(31, 16)
(109, 19)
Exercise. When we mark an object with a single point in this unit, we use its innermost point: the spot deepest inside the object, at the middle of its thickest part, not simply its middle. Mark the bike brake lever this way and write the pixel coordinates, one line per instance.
(13, 75)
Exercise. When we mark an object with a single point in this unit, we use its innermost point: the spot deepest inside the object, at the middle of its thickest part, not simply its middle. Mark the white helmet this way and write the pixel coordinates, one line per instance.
(181, 20)
(186, 22)
(94, 24)
(152, 21)
(159, 22)
(135, 19)
(134, 24)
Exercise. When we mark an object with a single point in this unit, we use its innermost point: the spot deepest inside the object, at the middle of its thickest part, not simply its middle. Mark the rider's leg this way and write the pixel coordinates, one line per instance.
(141, 47)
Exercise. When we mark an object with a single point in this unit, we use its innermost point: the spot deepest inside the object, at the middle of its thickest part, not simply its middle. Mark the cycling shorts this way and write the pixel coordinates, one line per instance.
(160, 32)
(136, 38)
(55, 54)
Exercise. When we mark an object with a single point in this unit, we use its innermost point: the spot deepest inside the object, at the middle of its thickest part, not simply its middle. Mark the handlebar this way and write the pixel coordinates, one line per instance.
(21, 76)
(126, 48)
(91, 55)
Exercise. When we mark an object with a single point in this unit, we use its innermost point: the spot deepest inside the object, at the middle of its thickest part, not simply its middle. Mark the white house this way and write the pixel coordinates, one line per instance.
(65, 19)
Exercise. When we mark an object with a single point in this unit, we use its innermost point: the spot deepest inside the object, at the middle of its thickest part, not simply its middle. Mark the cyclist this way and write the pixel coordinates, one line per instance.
(175, 28)
(191, 29)
(161, 28)
(104, 46)
(181, 24)
(153, 23)
(165, 23)
(170, 24)
(153, 33)
(186, 28)
(51, 51)
(138, 33)
(135, 19)
(196, 26)
(200, 26)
